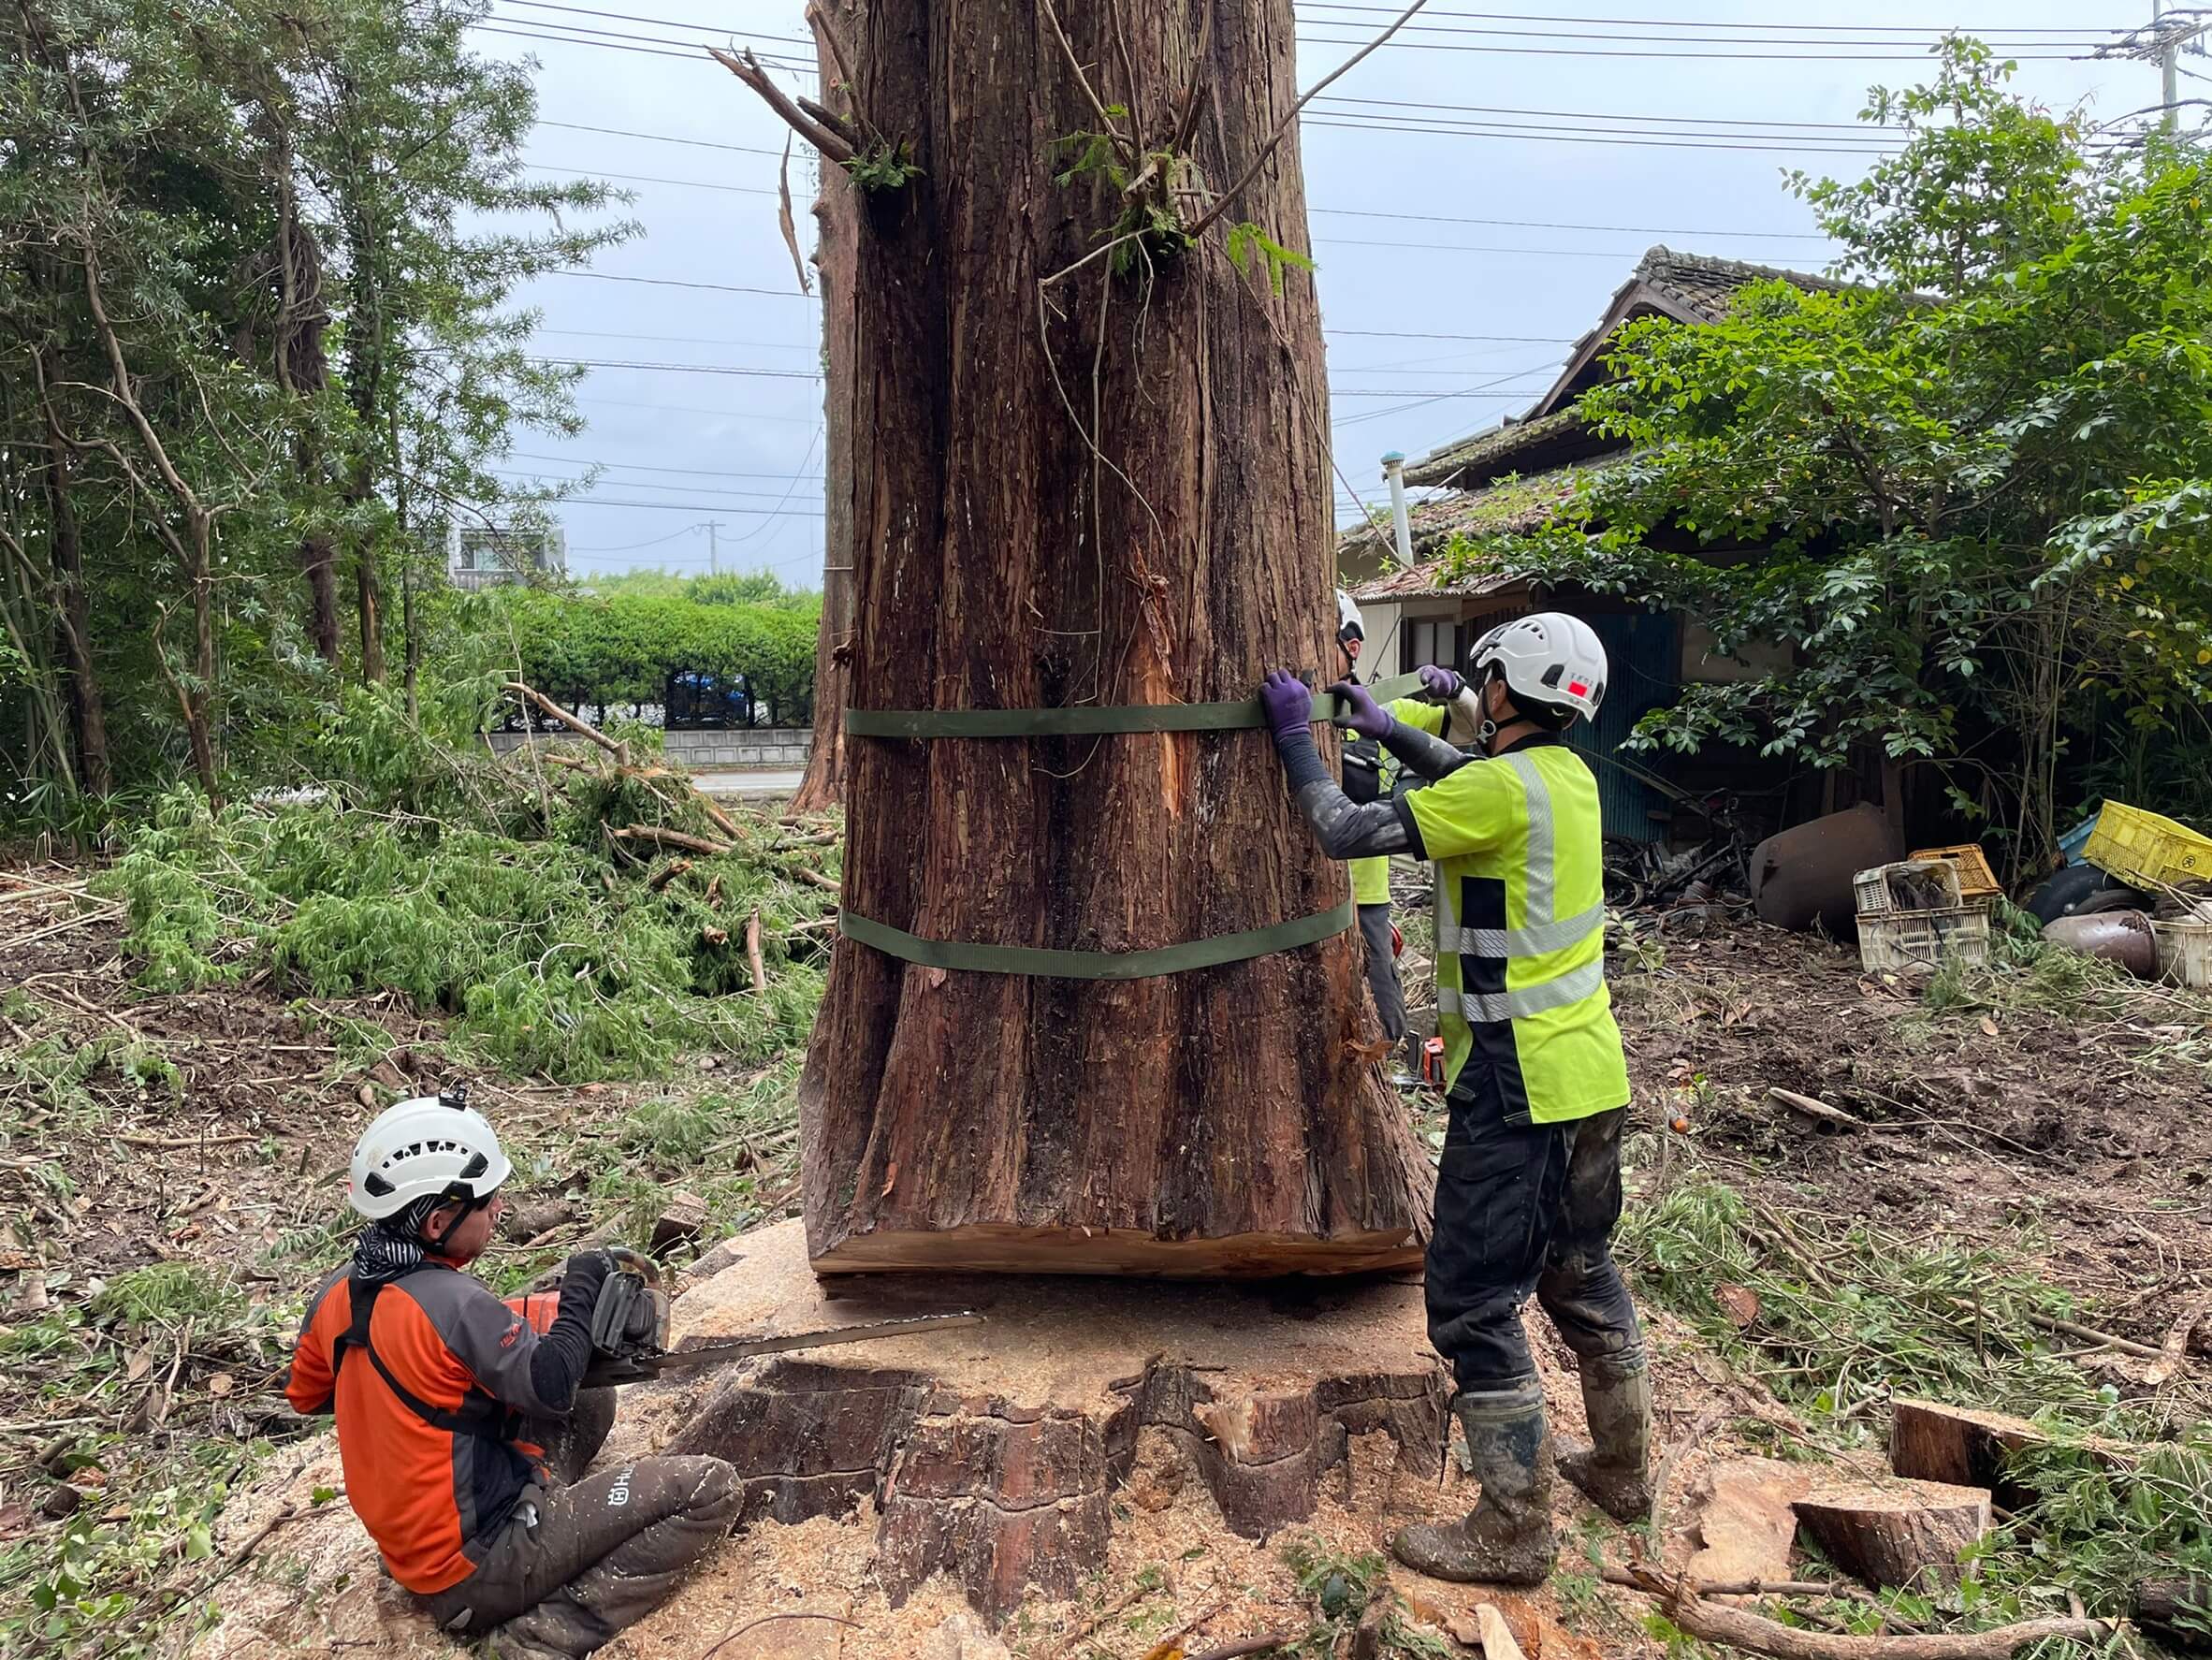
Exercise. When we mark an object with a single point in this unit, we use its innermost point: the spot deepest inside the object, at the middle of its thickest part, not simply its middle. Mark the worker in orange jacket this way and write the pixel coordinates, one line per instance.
(463, 1435)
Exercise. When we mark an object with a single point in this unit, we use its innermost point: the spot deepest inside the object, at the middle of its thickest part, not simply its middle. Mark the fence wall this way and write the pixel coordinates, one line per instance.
(766, 747)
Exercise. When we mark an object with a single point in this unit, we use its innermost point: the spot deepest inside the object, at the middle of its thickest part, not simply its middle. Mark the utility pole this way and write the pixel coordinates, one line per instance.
(712, 526)
(2171, 28)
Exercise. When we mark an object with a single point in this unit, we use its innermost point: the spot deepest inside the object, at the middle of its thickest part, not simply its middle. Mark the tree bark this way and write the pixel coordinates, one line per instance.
(1211, 1122)
(368, 581)
(2178, 1611)
(837, 219)
(87, 710)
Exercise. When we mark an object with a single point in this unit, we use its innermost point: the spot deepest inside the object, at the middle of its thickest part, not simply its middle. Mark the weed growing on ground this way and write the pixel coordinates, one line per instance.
(1847, 1316)
(1341, 1589)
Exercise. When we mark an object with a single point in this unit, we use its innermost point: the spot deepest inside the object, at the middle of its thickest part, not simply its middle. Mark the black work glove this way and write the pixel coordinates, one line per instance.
(581, 1277)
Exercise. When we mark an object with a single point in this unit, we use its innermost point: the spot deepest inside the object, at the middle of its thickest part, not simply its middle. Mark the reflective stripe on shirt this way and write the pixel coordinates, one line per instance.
(1477, 1008)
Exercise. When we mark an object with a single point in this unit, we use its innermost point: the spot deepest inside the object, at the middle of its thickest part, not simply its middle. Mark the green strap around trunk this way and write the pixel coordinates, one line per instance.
(1097, 965)
(1083, 721)
(1089, 720)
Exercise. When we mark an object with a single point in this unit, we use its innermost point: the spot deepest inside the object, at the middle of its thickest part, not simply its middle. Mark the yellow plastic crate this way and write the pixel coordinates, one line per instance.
(1976, 880)
(2142, 847)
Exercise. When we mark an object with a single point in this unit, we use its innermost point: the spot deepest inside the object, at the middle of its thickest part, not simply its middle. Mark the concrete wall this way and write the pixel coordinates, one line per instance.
(763, 746)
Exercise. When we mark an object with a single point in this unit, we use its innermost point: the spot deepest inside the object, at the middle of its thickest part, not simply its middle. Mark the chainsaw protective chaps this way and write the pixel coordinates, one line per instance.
(577, 1564)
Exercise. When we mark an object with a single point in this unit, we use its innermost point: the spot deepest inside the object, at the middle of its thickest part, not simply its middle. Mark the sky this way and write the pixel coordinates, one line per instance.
(1534, 148)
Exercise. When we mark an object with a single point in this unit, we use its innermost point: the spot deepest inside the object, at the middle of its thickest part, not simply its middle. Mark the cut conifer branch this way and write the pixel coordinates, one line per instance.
(748, 68)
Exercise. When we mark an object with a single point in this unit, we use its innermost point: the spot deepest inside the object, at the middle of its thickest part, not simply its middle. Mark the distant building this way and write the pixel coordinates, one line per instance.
(489, 556)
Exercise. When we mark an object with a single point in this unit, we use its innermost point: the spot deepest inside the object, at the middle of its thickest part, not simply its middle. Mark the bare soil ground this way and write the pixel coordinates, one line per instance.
(211, 1129)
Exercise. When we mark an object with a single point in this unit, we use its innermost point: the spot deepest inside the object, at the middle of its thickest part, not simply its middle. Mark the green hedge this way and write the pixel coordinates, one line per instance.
(625, 650)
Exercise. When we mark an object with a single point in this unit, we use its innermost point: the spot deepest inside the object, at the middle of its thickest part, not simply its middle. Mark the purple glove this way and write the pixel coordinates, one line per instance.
(1439, 685)
(1287, 702)
(1362, 714)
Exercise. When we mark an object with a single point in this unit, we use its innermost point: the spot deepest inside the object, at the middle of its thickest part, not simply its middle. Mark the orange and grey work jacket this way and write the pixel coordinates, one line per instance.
(430, 1417)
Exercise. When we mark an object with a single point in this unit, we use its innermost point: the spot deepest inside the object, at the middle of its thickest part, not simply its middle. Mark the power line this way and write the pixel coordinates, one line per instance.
(1804, 236)
(573, 126)
(686, 340)
(643, 484)
(643, 467)
(678, 507)
(634, 547)
(1740, 57)
(673, 283)
(772, 375)
(648, 179)
(1633, 230)
(1748, 120)
(1561, 136)
(1427, 27)
(660, 45)
(728, 415)
(1515, 17)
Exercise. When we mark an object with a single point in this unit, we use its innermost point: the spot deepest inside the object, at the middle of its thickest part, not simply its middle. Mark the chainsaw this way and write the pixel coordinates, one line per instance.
(629, 1328)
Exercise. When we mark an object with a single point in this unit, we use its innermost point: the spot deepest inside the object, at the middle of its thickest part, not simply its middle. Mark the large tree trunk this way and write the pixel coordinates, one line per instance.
(1218, 1121)
(837, 220)
(87, 710)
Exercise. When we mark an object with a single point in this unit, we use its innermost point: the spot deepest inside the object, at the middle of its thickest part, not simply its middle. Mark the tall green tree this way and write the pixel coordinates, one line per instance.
(258, 264)
(1944, 465)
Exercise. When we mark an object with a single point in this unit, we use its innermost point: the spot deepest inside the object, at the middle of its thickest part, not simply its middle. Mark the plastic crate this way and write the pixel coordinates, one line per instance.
(2145, 848)
(1871, 889)
(1904, 940)
(2184, 952)
(1976, 880)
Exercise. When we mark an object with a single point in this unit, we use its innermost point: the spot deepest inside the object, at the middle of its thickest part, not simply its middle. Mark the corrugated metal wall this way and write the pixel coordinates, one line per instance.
(1644, 656)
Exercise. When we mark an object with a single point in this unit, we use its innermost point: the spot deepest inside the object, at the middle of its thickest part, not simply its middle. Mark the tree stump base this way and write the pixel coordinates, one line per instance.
(991, 1453)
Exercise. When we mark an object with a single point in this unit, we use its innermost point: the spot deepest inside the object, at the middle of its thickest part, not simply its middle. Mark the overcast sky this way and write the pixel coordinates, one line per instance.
(1673, 128)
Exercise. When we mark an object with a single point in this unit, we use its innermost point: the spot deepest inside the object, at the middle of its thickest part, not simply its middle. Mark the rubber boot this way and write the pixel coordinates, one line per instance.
(1613, 1474)
(1507, 1539)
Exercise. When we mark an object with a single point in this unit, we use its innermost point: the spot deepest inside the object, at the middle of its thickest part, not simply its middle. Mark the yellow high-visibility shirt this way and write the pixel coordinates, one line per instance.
(1519, 846)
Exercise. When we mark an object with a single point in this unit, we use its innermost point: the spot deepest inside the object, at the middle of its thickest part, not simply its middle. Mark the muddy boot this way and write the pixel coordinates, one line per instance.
(1507, 1539)
(1613, 1474)
(504, 1644)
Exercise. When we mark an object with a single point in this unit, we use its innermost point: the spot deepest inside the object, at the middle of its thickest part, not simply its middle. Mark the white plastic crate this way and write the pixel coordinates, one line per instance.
(1899, 940)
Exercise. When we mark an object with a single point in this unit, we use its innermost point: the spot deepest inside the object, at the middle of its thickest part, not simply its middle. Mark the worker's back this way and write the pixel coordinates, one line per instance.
(423, 1489)
(1519, 844)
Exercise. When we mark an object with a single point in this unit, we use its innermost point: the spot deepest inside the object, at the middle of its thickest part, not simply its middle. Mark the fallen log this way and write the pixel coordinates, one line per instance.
(663, 837)
(1741, 1629)
(581, 727)
(1958, 1445)
(752, 954)
(2090, 1334)
(1818, 1109)
(2177, 1611)
(1901, 1533)
(2174, 1352)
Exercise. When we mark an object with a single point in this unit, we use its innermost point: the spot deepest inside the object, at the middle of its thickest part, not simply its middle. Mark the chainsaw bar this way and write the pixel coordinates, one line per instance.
(737, 1348)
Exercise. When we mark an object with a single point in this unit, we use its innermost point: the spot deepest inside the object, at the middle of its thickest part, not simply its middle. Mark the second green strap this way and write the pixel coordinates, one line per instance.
(1097, 965)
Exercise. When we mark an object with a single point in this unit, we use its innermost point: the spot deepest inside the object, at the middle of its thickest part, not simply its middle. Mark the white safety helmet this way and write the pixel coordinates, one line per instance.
(435, 1146)
(1547, 657)
(1348, 626)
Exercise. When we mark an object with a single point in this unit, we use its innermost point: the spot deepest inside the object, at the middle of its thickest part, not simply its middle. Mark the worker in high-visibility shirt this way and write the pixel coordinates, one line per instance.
(1529, 1186)
(1371, 773)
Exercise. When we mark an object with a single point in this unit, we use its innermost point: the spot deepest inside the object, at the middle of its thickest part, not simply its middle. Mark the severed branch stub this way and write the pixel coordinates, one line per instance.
(748, 68)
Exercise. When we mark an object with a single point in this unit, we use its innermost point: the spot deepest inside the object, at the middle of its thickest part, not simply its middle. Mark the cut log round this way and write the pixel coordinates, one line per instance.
(992, 1453)
(1088, 473)
(1957, 1445)
(1897, 1533)
(2178, 1611)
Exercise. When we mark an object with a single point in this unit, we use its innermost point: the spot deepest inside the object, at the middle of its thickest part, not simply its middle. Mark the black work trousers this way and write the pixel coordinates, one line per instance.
(1524, 1208)
(1382, 970)
(582, 1559)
